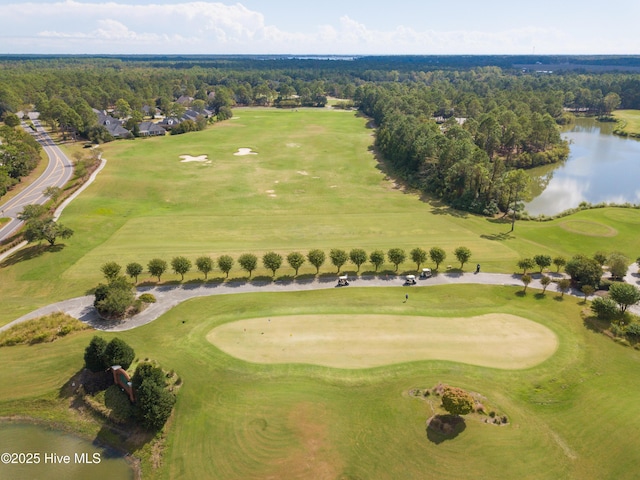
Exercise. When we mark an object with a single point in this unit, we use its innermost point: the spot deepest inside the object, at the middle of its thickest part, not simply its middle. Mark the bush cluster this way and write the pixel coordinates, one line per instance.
(100, 355)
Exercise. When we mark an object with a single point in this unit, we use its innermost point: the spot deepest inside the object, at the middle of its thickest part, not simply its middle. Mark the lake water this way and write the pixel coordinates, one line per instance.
(601, 167)
(59, 456)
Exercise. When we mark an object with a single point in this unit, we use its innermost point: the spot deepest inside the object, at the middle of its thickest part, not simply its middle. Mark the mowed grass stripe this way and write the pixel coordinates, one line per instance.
(365, 341)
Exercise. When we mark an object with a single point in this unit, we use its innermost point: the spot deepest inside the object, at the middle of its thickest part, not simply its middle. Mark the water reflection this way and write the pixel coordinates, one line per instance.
(601, 167)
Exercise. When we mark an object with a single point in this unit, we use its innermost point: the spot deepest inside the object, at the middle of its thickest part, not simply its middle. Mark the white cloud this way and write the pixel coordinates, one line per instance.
(73, 26)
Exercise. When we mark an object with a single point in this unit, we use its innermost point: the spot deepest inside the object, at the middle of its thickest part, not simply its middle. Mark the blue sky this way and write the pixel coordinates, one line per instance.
(325, 27)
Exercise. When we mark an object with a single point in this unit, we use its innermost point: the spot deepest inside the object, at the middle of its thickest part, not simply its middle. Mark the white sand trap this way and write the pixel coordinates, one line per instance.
(315, 177)
(333, 186)
(199, 158)
(273, 195)
(293, 145)
(302, 172)
(271, 191)
(245, 151)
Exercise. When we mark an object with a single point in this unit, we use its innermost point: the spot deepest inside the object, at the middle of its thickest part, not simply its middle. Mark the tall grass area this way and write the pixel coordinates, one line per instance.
(314, 183)
(570, 417)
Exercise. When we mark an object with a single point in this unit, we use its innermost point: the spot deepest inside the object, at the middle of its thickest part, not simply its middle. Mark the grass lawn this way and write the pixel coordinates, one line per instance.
(314, 183)
(569, 415)
(629, 120)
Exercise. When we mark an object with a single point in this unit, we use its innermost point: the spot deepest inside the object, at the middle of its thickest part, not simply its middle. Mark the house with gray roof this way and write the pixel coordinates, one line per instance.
(150, 129)
(113, 125)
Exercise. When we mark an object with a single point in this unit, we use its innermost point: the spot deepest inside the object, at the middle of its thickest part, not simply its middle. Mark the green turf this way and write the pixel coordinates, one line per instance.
(629, 119)
(569, 416)
(329, 193)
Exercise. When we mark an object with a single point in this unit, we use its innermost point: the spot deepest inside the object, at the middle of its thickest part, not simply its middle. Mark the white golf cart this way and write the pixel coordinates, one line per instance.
(410, 280)
(426, 273)
(343, 281)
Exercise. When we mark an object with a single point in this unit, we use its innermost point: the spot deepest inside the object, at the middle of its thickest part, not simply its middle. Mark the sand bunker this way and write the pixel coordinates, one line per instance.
(199, 158)
(363, 341)
(245, 151)
(293, 145)
(302, 172)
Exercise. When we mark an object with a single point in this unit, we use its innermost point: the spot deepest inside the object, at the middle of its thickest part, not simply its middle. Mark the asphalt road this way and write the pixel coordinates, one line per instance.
(58, 172)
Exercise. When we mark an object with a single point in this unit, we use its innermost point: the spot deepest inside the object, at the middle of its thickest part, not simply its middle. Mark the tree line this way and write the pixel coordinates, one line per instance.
(273, 261)
(19, 154)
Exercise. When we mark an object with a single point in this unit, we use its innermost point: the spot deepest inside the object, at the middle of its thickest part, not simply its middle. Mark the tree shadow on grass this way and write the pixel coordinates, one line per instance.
(328, 277)
(441, 428)
(261, 280)
(305, 278)
(500, 237)
(521, 293)
(285, 280)
(540, 296)
(595, 324)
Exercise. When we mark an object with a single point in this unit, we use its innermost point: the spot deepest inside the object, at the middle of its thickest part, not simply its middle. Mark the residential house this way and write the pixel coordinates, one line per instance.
(150, 129)
(113, 125)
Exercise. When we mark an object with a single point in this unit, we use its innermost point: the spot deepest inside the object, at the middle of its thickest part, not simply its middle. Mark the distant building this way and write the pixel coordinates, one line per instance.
(150, 129)
(185, 100)
(169, 122)
(113, 125)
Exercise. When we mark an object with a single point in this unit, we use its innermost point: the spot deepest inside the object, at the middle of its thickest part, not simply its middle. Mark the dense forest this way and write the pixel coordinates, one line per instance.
(459, 128)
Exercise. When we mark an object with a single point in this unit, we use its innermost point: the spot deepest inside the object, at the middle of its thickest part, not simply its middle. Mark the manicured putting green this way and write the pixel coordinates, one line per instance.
(363, 341)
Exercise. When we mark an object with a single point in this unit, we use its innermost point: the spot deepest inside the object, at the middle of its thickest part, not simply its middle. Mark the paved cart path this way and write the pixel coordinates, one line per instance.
(168, 296)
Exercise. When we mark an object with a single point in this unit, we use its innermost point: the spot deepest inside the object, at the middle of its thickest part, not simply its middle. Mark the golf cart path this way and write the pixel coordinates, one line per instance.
(168, 296)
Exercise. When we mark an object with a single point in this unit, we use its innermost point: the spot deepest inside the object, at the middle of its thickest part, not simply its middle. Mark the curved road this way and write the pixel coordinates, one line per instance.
(171, 295)
(58, 172)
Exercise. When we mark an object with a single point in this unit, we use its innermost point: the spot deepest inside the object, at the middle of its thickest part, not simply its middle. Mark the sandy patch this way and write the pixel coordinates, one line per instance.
(273, 195)
(363, 341)
(245, 151)
(303, 172)
(271, 191)
(293, 145)
(315, 177)
(190, 158)
(333, 186)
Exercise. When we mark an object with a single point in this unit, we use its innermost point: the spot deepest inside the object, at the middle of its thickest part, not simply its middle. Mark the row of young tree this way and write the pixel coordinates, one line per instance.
(153, 400)
(273, 261)
(586, 274)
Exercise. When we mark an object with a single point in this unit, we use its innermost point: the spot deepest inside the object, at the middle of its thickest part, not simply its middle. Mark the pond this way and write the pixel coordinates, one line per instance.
(35, 451)
(602, 167)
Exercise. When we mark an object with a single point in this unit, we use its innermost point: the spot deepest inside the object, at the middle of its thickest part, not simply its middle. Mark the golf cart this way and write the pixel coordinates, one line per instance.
(426, 273)
(410, 280)
(343, 281)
